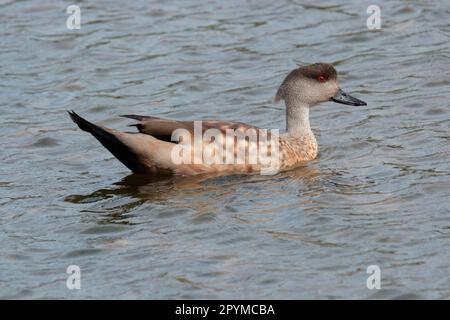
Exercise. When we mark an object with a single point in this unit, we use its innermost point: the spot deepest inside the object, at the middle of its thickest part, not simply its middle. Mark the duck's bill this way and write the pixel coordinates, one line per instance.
(342, 97)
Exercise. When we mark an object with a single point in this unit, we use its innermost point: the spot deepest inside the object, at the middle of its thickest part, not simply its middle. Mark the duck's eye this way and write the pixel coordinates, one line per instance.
(321, 78)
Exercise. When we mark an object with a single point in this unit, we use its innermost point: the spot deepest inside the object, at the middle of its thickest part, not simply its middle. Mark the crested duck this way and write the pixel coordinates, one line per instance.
(156, 150)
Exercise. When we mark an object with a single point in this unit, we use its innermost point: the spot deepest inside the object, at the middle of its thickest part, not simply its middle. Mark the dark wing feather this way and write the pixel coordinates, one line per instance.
(162, 129)
(137, 117)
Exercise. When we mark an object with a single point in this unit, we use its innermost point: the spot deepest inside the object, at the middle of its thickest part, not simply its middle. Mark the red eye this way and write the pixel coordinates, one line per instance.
(321, 78)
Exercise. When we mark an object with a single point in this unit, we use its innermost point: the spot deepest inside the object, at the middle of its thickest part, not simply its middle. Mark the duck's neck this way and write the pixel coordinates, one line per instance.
(297, 119)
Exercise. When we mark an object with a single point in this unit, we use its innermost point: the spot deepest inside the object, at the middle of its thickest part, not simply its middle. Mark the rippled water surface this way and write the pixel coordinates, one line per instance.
(378, 194)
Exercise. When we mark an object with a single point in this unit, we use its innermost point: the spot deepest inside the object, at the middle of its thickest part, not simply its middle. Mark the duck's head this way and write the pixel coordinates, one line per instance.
(313, 84)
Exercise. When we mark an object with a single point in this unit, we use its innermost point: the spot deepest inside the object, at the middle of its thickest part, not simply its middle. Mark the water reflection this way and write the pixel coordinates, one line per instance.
(203, 194)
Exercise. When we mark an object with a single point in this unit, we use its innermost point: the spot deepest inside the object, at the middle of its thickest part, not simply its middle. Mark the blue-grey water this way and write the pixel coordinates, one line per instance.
(378, 194)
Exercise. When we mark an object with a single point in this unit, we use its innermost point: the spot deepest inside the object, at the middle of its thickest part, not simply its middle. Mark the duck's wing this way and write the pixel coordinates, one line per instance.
(163, 129)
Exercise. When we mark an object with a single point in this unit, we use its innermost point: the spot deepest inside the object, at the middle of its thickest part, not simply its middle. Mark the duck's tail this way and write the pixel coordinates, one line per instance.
(110, 139)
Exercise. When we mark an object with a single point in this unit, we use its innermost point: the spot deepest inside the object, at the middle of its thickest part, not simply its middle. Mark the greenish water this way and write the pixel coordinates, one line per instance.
(378, 194)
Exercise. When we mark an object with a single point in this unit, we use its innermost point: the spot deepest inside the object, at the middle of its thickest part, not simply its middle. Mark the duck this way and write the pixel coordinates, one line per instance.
(162, 146)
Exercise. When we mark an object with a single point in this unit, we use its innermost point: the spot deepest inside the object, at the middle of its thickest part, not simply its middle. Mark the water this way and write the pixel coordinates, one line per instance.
(378, 194)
